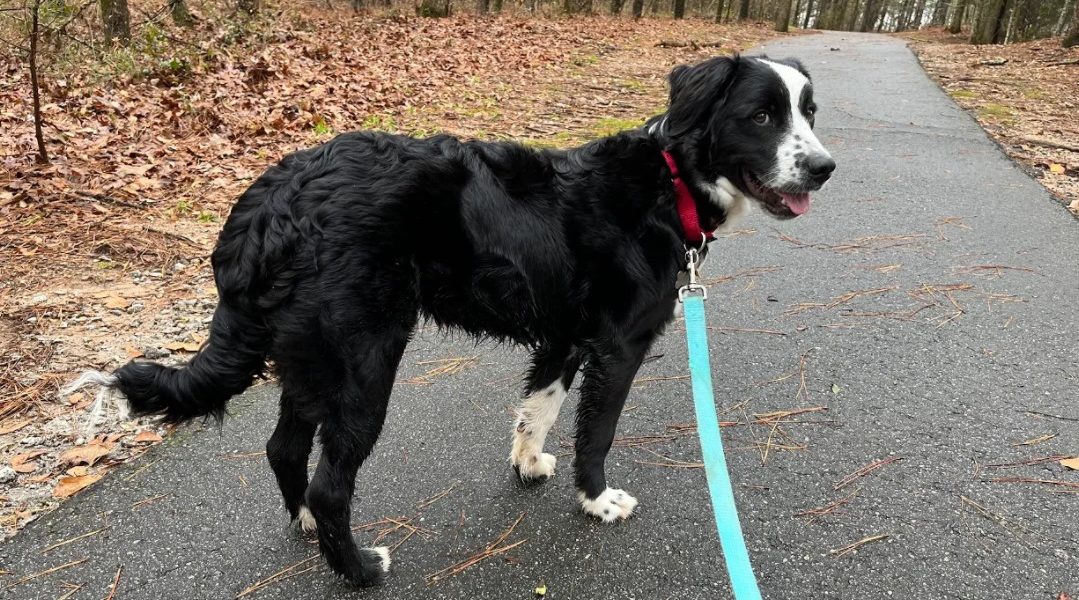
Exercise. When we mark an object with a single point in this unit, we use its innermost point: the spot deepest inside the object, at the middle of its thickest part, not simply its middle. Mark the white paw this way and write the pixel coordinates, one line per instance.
(537, 466)
(609, 506)
(384, 554)
(306, 520)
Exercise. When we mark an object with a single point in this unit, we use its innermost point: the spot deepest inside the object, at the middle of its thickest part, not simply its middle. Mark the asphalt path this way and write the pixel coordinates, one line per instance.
(927, 302)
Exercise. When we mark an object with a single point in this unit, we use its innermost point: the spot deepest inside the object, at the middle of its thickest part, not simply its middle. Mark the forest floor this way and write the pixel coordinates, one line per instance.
(105, 251)
(1026, 96)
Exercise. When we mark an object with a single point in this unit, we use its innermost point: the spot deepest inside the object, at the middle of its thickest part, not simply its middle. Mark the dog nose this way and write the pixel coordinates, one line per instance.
(820, 167)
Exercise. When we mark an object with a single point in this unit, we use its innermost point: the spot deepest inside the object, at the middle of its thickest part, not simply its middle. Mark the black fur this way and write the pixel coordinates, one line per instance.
(327, 262)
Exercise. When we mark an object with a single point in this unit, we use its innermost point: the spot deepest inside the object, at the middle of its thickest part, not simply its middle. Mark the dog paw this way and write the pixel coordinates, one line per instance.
(535, 468)
(305, 520)
(609, 506)
(383, 554)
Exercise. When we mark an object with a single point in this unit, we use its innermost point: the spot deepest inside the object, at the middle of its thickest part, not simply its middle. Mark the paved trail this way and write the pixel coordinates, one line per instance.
(922, 206)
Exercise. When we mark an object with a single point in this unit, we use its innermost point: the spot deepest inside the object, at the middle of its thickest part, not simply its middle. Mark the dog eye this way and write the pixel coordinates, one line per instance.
(761, 118)
(811, 110)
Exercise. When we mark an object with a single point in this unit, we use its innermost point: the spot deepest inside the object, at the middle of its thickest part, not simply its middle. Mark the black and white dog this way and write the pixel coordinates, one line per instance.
(327, 262)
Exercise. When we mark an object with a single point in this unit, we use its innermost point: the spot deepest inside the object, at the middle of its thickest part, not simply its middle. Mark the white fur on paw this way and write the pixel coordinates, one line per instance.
(537, 466)
(306, 520)
(384, 554)
(609, 506)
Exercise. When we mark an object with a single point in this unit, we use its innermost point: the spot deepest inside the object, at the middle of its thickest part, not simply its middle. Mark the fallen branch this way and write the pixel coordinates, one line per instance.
(72, 540)
(688, 44)
(46, 572)
(1049, 143)
(115, 583)
(815, 514)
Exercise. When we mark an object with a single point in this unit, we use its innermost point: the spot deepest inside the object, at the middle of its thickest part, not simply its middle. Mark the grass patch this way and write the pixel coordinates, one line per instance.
(991, 110)
(610, 125)
(1034, 93)
(966, 94)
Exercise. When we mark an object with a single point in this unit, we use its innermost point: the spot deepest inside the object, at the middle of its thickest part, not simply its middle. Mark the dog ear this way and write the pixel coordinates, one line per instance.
(695, 90)
(797, 64)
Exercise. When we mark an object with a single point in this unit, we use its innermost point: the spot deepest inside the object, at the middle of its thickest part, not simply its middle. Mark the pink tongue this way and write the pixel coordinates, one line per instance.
(798, 203)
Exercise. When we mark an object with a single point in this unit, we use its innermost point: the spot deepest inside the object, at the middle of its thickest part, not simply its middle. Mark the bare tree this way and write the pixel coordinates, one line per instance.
(743, 10)
(180, 15)
(783, 16)
(809, 13)
(679, 9)
(638, 8)
(1072, 37)
(940, 13)
(958, 12)
(35, 27)
(116, 21)
(989, 28)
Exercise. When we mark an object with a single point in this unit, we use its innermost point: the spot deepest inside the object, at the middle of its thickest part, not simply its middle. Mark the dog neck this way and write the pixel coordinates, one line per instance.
(694, 234)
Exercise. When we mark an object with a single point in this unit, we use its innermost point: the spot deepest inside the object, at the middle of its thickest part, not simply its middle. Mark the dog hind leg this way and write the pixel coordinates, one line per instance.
(288, 450)
(549, 379)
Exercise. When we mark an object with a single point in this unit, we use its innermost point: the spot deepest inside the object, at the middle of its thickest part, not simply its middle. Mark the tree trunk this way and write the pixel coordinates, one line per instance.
(809, 13)
(496, 5)
(743, 10)
(434, 8)
(180, 15)
(35, 87)
(1062, 22)
(990, 20)
(783, 17)
(638, 8)
(940, 13)
(957, 16)
(869, 15)
(719, 10)
(116, 20)
(1072, 37)
(679, 9)
(483, 6)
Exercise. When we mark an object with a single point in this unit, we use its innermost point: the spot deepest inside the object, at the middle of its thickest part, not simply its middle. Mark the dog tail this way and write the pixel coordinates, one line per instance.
(225, 366)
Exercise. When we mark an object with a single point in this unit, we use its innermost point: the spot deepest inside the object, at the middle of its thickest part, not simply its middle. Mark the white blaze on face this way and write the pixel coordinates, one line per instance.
(799, 140)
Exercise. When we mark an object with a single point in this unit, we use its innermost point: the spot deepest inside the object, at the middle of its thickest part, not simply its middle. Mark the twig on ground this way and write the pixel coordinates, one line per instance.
(1029, 462)
(115, 583)
(48, 549)
(142, 503)
(46, 572)
(644, 380)
(782, 415)
(1035, 441)
(815, 514)
(289, 571)
(446, 366)
(429, 501)
(1053, 482)
(1049, 415)
(854, 546)
(745, 330)
(493, 549)
(866, 470)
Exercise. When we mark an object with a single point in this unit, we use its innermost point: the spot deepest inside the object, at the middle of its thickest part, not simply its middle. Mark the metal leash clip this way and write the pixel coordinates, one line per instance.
(693, 258)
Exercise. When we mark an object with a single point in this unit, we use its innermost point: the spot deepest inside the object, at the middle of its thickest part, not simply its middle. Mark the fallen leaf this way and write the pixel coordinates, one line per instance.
(78, 471)
(23, 463)
(1056, 168)
(183, 346)
(146, 437)
(132, 352)
(12, 425)
(69, 486)
(1071, 463)
(835, 389)
(117, 302)
(88, 454)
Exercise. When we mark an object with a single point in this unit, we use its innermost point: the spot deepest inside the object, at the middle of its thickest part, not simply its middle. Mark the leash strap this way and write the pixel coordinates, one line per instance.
(739, 569)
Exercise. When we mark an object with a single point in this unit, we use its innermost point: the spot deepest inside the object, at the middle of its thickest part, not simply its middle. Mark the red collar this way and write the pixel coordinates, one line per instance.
(687, 208)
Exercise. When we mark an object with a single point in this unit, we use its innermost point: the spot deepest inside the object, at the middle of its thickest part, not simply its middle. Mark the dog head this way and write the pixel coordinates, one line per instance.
(743, 128)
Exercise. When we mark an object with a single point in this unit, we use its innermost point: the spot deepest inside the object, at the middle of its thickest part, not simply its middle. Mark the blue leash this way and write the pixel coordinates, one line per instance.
(739, 569)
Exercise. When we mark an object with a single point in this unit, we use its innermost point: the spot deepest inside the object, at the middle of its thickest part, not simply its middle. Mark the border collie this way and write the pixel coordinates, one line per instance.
(330, 258)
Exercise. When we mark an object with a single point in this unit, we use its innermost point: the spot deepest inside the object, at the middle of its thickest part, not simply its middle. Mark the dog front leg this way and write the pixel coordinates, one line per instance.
(608, 376)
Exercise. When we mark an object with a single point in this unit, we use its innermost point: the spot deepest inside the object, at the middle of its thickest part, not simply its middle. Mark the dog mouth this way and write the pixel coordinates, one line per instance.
(782, 204)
